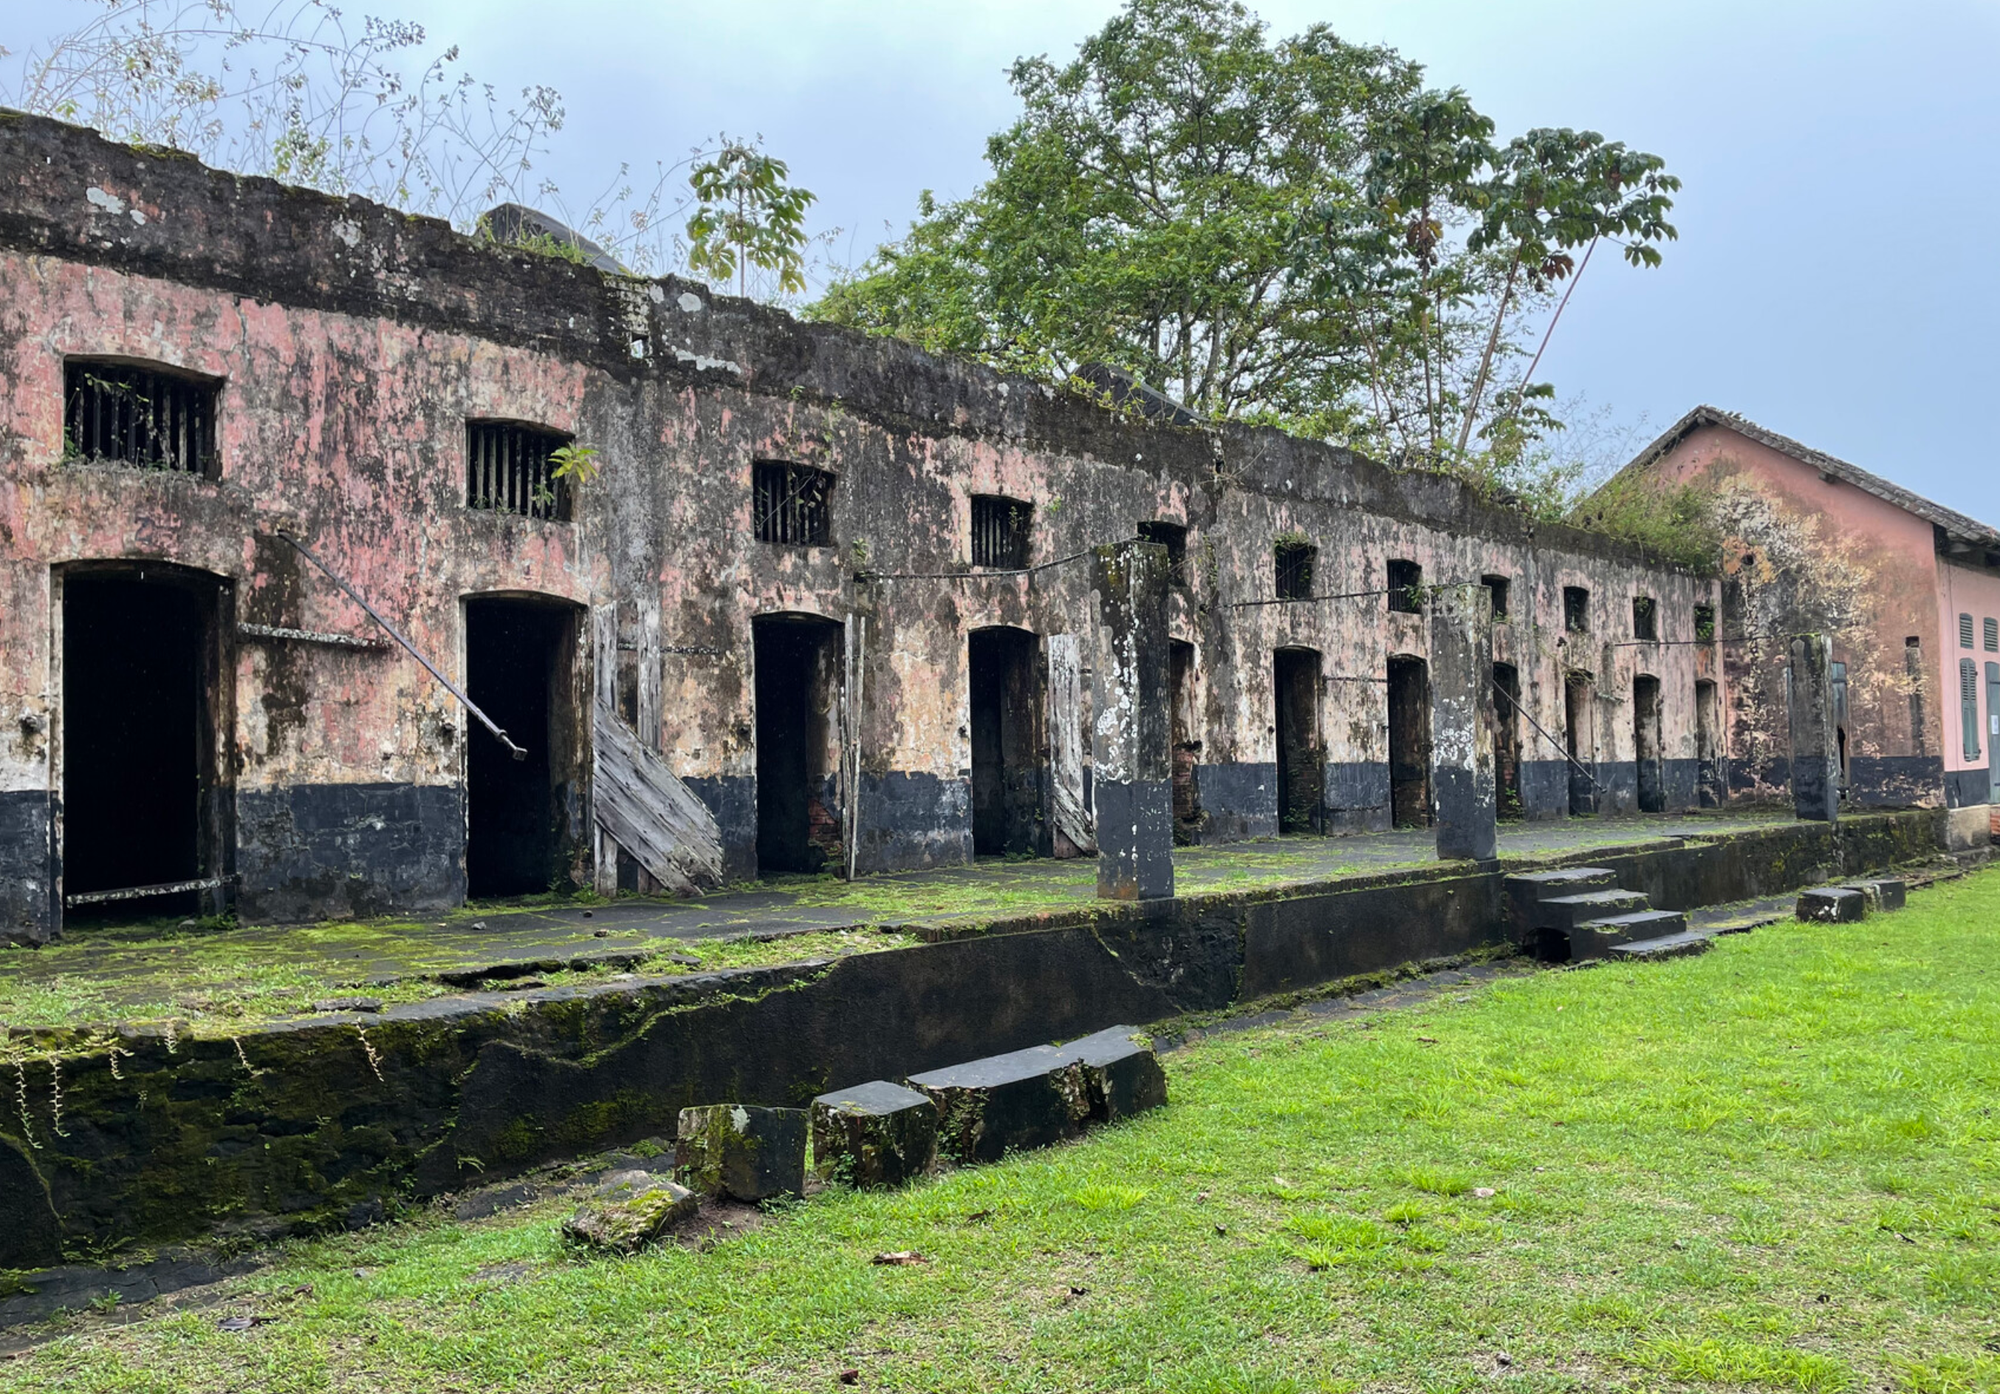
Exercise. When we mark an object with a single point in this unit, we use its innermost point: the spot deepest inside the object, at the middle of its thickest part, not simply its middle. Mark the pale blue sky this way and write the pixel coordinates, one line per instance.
(1835, 278)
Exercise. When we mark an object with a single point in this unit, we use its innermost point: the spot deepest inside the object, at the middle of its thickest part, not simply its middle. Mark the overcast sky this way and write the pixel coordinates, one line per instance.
(1836, 277)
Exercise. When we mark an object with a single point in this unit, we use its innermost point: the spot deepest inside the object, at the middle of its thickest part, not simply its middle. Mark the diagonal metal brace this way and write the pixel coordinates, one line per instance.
(1561, 749)
(397, 635)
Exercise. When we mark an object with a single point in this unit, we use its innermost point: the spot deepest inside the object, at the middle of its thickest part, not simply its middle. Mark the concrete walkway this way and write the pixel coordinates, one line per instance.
(134, 964)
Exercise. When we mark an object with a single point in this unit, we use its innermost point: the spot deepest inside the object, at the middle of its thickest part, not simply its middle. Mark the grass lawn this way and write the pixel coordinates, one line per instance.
(1772, 1167)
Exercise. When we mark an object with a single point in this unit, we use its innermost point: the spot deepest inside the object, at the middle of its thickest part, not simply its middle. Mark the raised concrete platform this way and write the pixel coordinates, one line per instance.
(146, 1133)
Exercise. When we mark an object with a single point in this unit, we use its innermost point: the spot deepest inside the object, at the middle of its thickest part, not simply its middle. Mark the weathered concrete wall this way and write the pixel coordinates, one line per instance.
(353, 343)
(135, 1136)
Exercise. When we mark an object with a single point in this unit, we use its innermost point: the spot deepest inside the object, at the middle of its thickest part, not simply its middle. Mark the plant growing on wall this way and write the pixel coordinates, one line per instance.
(748, 214)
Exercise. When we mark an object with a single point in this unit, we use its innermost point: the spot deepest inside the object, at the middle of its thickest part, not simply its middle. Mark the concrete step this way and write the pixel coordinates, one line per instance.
(1833, 905)
(1566, 912)
(1595, 938)
(1530, 888)
(1670, 946)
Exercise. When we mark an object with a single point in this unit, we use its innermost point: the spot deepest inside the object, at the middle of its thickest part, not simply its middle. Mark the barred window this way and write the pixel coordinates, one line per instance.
(1294, 563)
(1173, 537)
(791, 503)
(1645, 617)
(511, 468)
(1406, 587)
(144, 418)
(1576, 609)
(1000, 531)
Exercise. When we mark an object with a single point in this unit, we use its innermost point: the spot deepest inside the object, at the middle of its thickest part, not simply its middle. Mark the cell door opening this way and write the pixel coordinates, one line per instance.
(1186, 741)
(1646, 744)
(520, 669)
(1409, 743)
(1007, 817)
(1506, 717)
(798, 742)
(138, 739)
(1838, 675)
(1295, 675)
(1707, 746)
(1580, 743)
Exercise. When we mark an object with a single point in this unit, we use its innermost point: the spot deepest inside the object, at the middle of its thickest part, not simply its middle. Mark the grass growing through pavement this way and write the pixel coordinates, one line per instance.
(1773, 1167)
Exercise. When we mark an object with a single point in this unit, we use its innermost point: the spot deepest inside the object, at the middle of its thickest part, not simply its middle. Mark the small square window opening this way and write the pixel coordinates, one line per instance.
(1645, 617)
(140, 417)
(1576, 609)
(1173, 537)
(1406, 587)
(1000, 531)
(1704, 624)
(1498, 587)
(1295, 563)
(511, 468)
(791, 504)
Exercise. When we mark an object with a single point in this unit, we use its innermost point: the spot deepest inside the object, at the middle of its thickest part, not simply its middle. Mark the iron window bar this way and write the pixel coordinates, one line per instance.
(790, 504)
(125, 414)
(510, 468)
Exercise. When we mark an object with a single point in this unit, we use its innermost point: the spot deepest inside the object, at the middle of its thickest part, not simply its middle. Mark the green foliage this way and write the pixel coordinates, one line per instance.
(1294, 232)
(747, 215)
(573, 462)
(1674, 521)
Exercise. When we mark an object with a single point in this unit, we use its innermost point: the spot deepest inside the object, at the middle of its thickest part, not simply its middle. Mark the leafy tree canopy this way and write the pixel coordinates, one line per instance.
(1298, 232)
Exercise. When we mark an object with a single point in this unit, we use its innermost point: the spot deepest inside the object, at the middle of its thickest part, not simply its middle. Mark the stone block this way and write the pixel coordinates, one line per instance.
(1121, 1074)
(1026, 1098)
(1969, 828)
(877, 1134)
(1832, 905)
(630, 1210)
(736, 1150)
(1889, 893)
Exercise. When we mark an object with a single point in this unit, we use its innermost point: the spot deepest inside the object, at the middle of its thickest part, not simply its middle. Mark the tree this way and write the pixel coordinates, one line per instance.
(1295, 231)
(746, 215)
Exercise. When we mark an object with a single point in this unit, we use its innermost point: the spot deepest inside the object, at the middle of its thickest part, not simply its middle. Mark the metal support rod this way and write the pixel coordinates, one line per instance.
(1545, 735)
(397, 635)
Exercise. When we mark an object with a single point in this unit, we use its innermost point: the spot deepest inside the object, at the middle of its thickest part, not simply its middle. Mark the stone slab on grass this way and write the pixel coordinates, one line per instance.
(1120, 1072)
(1881, 893)
(875, 1134)
(1832, 905)
(629, 1211)
(1025, 1098)
(742, 1151)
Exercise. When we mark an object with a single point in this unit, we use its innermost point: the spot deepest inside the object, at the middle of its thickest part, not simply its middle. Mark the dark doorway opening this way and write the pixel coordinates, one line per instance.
(520, 661)
(1186, 741)
(1409, 743)
(1507, 739)
(798, 741)
(1838, 672)
(1646, 744)
(138, 739)
(1301, 767)
(1580, 744)
(1707, 743)
(1006, 743)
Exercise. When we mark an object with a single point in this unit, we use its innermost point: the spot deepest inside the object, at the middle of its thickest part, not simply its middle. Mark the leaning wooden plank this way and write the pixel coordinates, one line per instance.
(651, 814)
(1071, 814)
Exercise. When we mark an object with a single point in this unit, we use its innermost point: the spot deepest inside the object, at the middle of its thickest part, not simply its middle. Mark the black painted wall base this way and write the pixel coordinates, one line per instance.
(1544, 789)
(1895, 781)
(910, 822)
(1135, 839)
(1238, 801)
(27, 867)
(1356, 796)
(1963, 788)
(342, 851)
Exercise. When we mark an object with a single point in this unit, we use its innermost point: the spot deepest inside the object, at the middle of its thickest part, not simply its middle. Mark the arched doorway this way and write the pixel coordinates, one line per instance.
(145, 817)
(1295, 684)
(522, 670)
(798, 741)
(1005, 708)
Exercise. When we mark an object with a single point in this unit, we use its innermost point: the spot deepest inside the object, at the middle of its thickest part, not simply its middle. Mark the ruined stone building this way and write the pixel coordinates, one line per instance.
(827, 602)
(1908, 590)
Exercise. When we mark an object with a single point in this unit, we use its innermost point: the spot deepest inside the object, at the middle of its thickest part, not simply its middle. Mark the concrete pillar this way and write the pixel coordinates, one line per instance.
(1815, 740)
(1131, 759)
(1462, 723)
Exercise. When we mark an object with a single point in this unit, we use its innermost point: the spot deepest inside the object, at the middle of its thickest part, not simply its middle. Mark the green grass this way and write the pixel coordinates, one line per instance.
(1773, 1167)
